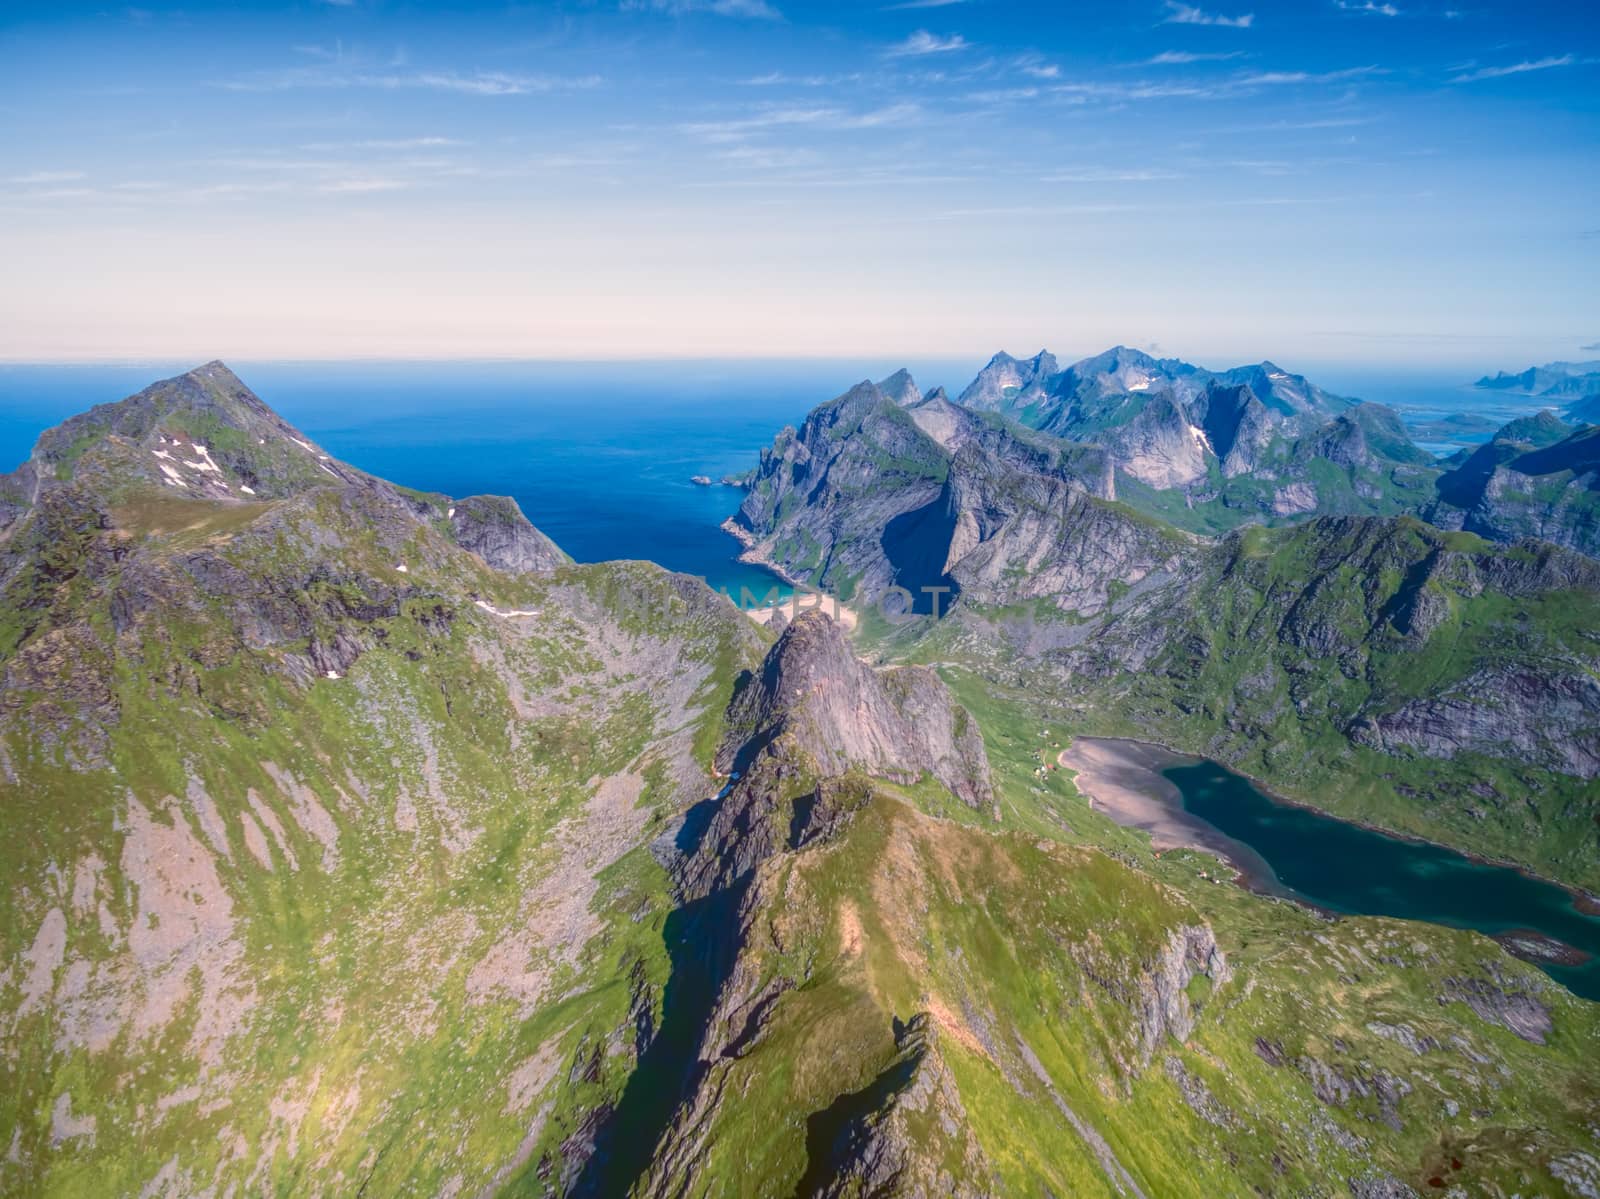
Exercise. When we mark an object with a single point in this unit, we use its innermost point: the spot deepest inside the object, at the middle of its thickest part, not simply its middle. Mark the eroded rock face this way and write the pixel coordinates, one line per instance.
(494, 528)
(1512, 1006)
(1164, 1007)
(1538, 477)
(905, 1145)
(1036, 536)
(1546, 718)
(899, 724)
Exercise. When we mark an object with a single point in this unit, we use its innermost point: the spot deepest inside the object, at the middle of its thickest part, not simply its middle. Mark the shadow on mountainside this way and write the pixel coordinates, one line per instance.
(916, 543)
(701, 939)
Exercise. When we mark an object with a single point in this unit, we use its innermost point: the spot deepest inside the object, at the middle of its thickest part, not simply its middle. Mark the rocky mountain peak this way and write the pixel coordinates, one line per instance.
(1007, 380)
(494, 528)
(901, 388)
(202, 434)
(813, 694)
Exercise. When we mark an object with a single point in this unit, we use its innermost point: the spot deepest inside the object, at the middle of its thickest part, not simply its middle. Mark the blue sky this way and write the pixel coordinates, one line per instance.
(1362, 180)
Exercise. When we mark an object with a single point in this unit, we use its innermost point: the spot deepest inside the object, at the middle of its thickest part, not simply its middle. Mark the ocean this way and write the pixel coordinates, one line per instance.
(599, 455)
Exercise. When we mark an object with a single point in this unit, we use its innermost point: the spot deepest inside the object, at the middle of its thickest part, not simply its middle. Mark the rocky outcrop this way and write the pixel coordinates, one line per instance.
(823, 495)
(813, 694)
(1546, 718)
(906, 1133)
(494, 528)
(1499, 1000)
(1007, 383)
(1164, 1007)
(901, 388)
(1537, 477)
(1032, 536)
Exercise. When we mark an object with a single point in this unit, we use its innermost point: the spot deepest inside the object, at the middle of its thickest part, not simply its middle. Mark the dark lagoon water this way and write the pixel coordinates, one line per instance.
(1353, 870)
(599, 455)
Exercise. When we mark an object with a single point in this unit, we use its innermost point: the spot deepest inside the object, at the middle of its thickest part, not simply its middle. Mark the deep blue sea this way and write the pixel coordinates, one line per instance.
(599, 455)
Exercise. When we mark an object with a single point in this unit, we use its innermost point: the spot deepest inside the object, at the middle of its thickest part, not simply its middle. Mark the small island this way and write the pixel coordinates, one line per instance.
(701, 481)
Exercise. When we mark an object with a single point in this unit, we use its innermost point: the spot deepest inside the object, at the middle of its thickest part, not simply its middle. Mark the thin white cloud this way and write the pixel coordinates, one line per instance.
(1171, 58)
(480, 83)
(40, 178)
(1035, 66)
(1273, 78)
(1188, 14)
(1003, 95)
(1518, 68)
(384, 143)
(780, 79)
(823, 117)
(752, 9)
(1111, 175)
(1367, 7)
(356, 186)
(922, 42)
(909, 4)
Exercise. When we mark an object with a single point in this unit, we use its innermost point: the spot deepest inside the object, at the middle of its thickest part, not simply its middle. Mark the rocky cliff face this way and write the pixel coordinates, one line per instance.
(1536, 478)
(494, 528)
(823, 495)
(1020, 536)
(813, 693)
(1007, 383)
(1206, 450)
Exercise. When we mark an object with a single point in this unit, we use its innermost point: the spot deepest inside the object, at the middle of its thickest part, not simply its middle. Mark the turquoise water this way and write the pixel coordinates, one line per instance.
(599, 455)
(1353, 870)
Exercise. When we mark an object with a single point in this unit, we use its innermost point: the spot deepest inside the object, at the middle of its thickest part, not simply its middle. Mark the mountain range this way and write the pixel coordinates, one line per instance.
(361, 842)
(1557, 381)
(1365, 648)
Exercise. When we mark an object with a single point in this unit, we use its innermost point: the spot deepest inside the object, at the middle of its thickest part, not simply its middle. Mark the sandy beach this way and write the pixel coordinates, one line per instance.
(806, 596)
(823, 603)
(1123, 779)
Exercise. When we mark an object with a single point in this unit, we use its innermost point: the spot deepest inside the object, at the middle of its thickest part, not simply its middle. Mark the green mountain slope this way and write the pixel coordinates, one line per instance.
(358, 842)
(327, 860)
(1537, 477)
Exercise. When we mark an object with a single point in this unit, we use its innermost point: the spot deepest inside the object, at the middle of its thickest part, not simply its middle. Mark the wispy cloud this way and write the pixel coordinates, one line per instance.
(782, 79)
(1516, 68)
(1592, 348)
(1035, 66)
(909, 4)
(480, 83)
(1111, 175)
(1171, 58)
(1231, 86)
(357, 186)
(388, 143)
(1275, 78)
(41, 178)
(922, 42)
(1188, 14)
(752, 9)
(1367, 7)
(824, 117)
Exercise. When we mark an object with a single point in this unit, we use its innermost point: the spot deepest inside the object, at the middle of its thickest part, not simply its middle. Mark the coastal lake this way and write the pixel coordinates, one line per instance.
(1302, 854)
